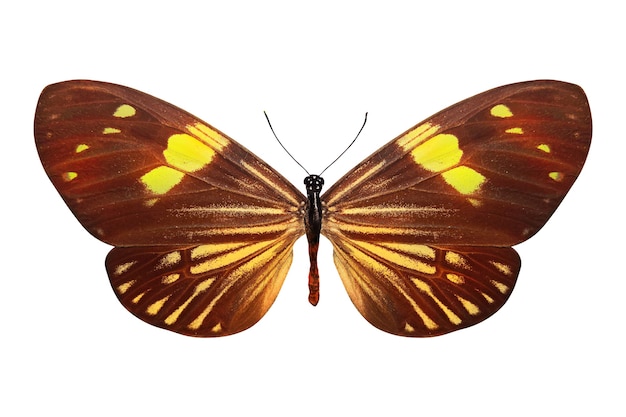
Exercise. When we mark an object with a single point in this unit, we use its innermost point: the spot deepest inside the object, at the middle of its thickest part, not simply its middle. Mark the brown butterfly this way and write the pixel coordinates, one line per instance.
(422, 229)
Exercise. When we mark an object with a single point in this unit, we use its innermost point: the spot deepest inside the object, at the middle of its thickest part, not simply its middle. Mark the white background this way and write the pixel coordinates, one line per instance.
(69, 348)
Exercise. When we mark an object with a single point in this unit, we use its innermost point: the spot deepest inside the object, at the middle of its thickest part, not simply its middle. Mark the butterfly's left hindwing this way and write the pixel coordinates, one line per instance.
(138, 172)
(421, 229)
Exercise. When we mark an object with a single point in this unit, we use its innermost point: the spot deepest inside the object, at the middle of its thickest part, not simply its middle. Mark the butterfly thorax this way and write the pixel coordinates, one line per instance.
(313, 227)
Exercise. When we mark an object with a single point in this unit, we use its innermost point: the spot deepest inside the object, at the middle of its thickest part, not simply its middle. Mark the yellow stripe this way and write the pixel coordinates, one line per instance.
(396, 257)
(390, 210)
(426, 289)
(417, 135)
(382, 271)
(208, 136)
(200, 288)
(237, 210)
(250, 266)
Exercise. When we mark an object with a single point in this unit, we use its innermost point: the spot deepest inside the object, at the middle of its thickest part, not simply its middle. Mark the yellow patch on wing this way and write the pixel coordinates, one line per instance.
(124, 111)
(187, 153)
(500, 286)
(556, 176)
(155, 307)
(81, 148)
(456, 260)
(544, 147)
(438, 153)
(122, 288)
(123, 268)
(470, 307)
(464, 179)
(161, 179)
(170, 260)
(515, 131)
(502, 111)
(69, 176)
(505, 269)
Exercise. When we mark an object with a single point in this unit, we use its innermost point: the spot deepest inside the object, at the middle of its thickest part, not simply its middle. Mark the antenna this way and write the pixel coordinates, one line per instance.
(329, 165)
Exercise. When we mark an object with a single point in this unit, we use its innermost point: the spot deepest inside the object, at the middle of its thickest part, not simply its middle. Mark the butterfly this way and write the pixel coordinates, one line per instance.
(203, 230)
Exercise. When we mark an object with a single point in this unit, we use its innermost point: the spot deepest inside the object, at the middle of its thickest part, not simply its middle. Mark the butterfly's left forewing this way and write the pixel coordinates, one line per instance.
(203, 229)
(422, 229)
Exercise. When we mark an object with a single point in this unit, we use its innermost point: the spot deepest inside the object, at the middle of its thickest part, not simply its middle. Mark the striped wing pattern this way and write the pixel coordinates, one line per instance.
(138, 172)
(203, 229)
(422, 229)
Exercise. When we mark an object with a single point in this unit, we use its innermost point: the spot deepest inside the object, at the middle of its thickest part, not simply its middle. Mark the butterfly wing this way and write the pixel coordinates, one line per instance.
(203, 228)
(422, 229)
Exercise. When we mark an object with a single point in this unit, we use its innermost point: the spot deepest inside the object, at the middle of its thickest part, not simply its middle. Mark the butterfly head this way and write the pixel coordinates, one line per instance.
(314, 183)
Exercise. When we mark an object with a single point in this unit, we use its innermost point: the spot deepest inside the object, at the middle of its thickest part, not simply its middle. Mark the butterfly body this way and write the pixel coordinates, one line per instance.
(421, 230)
(313, 227)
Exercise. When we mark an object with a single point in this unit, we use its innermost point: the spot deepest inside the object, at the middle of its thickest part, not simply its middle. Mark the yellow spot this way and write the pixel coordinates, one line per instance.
(81, 148)
(515, 130)
(155, 307)
(475, 202)
(505, 269)
(169, 260)
(556, 176)
(469, 306)
(168, 279)
(544, 147)
(489, 299)
(110, 130)
(161, 179)
(69, 176)
(464, 179)
(125, 286)
(424, 287)
(501, 111)
(125, 110)
(456, 259)
(120, 269)
(187, 153)
(408, 328)
(457, 279)
(438, 153)
(150, 202)
(217, 328)
(138, 298)
(500, 286)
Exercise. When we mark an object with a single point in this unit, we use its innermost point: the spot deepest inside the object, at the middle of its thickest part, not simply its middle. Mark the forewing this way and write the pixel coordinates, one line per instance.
(474, 179)
(136, 170)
